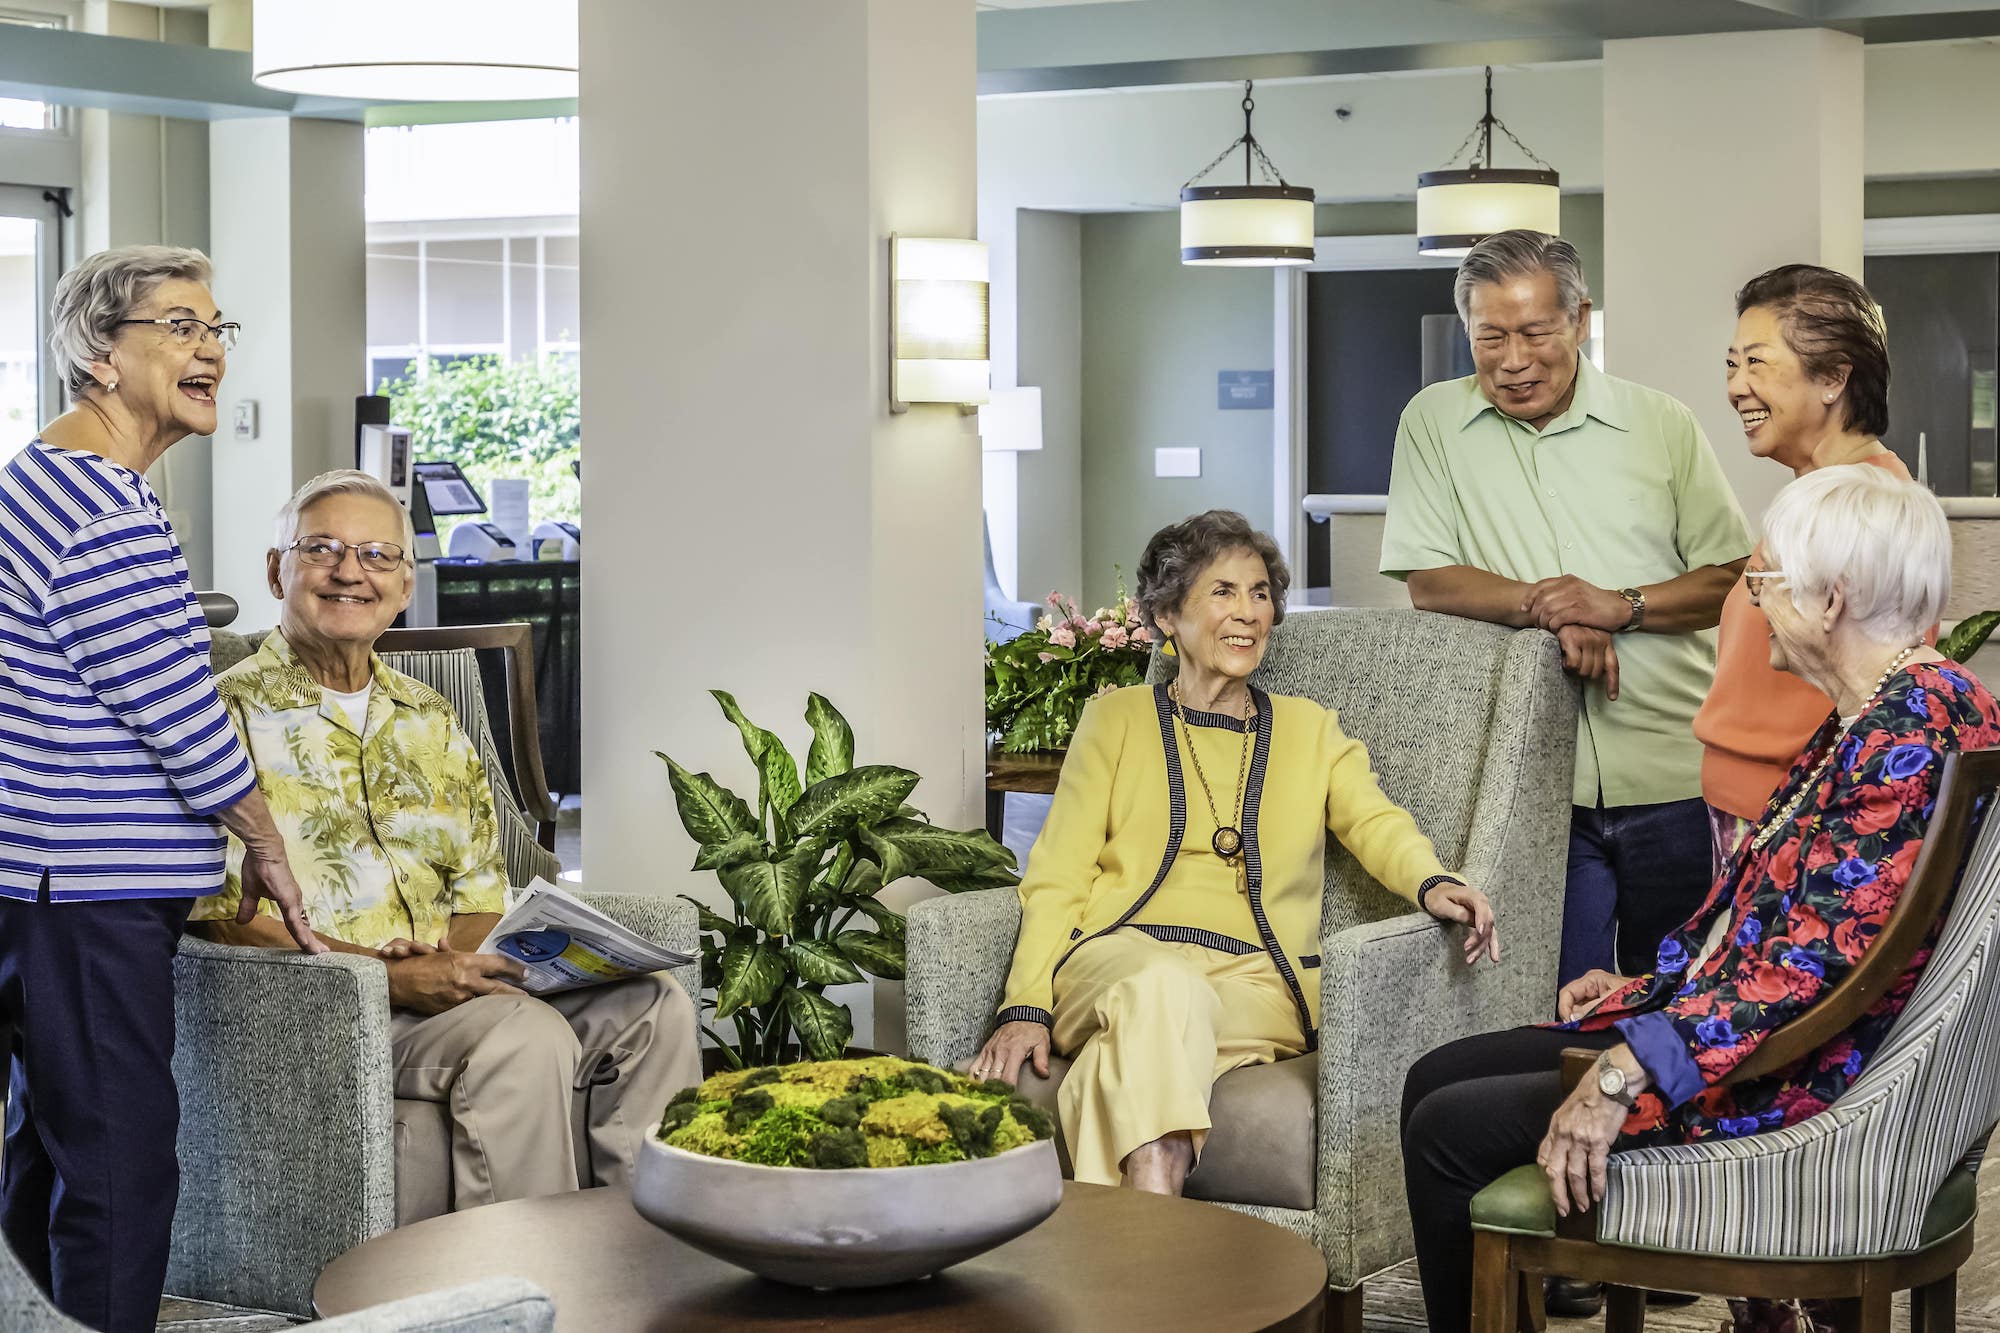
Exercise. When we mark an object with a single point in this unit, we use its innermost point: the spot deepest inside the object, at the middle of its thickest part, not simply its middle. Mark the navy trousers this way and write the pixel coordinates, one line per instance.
(89, 1179)
(1636, 874)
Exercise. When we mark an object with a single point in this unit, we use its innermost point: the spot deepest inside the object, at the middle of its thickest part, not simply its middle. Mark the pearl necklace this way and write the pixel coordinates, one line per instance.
(1769, 829)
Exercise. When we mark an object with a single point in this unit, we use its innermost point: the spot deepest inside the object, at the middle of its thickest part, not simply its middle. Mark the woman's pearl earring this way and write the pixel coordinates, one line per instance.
(111, 387)
(1829, 397)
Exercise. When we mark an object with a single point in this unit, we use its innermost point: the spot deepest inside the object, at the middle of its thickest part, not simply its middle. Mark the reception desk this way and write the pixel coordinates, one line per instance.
(547, 595)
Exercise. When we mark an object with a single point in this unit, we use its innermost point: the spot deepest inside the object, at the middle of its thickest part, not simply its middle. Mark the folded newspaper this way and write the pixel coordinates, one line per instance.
(565, 943)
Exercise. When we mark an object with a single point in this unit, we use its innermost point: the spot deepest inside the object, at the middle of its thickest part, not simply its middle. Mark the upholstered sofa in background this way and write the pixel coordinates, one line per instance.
(1473, 729)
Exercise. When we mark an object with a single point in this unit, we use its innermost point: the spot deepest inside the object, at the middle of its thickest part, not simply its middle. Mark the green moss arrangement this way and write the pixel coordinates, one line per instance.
(835, 1114)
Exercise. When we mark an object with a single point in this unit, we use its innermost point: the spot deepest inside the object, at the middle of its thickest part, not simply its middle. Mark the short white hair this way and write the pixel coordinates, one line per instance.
(343, 481)
(1882, 539)
(100, 291)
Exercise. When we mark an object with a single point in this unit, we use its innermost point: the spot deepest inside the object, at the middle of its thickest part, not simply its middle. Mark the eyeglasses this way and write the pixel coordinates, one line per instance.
(190, 331)
(1755, 579)
(329, 552)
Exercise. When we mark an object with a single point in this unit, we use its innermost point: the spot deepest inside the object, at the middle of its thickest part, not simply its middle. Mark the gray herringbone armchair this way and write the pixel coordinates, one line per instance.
(1472, 728)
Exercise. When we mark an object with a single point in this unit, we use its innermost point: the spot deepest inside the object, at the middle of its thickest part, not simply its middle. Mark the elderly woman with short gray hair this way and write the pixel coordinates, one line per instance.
(1856, 567)
(118, 773)
(1170, 911)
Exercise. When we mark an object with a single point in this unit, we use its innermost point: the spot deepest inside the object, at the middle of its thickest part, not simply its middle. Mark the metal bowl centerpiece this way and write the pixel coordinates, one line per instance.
(848, 1173)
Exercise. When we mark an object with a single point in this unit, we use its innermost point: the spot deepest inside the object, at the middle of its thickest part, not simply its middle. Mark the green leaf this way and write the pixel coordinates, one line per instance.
(739, 848)
(913, 847)
(820, 963)
(864, 883)
(872, 952)
(858, 796)
(833, 741)
(823, 1026)
(751, 975)
(1968, 635)
(708, 919)
(710, 812)
(887, 920)
(998, 877)
(769, 892)
(777, 771)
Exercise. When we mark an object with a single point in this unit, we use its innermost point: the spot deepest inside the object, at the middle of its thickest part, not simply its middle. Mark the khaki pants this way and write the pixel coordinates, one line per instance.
(519, 1075)
(1150, 1027)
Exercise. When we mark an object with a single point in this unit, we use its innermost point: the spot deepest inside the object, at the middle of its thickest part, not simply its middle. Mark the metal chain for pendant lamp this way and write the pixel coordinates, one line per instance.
(1247, 224)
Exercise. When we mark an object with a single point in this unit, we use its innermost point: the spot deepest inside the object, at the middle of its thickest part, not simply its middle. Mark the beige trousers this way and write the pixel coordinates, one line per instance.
(1150, 1027)
(520, 1075)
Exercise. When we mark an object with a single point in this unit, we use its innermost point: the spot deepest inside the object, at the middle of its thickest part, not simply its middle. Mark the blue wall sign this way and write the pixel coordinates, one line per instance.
(1243, 390)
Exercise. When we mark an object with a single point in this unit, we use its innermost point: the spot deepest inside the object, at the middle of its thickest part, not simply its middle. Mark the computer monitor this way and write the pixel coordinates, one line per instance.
(447, 489)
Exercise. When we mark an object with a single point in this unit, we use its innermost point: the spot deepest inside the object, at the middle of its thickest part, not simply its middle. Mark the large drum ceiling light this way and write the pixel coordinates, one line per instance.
(416, 50)
(1459, 207)
(1246, 225)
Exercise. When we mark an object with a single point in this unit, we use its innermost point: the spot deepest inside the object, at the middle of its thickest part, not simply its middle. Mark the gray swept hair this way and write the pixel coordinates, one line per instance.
(108, 286)
(1521, 254)
(344, 481)
(1884, 540)
(1178, 553)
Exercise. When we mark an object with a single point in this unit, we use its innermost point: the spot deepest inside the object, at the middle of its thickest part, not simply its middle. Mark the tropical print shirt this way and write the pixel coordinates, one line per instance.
(390, 830)
(1801, 911)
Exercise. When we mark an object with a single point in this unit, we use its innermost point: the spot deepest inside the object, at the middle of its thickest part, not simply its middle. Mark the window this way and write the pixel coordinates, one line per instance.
(26, 114)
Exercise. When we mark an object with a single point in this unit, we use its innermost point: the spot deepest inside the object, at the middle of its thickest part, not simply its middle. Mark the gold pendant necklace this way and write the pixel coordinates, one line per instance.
(1228, 838)
(1769, 829)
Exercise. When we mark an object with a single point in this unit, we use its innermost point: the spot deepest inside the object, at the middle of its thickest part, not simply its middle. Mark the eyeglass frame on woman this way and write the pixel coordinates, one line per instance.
(341, 548)
(1760, 577)
(225, 334)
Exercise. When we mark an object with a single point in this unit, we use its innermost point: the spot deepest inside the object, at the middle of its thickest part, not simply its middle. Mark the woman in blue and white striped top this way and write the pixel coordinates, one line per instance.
(118, 772)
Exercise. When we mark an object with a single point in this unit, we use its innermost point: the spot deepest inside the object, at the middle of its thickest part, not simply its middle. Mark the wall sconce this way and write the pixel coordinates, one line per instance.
(938, 328)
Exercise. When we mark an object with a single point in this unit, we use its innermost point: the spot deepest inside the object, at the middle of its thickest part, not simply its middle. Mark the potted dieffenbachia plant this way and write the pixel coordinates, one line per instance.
(802, 870)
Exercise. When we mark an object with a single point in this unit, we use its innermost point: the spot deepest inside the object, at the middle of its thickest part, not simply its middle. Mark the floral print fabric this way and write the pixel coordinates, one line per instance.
(390, 829)
(1802, 910)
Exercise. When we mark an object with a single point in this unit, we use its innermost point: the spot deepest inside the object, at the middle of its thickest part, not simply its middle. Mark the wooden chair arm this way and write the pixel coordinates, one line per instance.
(1577, 1063)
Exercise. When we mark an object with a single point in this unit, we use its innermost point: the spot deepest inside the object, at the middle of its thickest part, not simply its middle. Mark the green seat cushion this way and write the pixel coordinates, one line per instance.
(1519, 1203)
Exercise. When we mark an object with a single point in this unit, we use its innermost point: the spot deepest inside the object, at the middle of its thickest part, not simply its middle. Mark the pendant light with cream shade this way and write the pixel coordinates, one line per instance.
(1247, 225)
(416, 50)
(1458, 207)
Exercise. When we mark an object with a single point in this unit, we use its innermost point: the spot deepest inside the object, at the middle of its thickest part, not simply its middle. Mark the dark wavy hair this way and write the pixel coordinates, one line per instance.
(1178, 553)
(1829, 321)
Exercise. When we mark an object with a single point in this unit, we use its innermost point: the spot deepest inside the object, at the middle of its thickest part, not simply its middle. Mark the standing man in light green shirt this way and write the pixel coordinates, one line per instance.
(1541, 491)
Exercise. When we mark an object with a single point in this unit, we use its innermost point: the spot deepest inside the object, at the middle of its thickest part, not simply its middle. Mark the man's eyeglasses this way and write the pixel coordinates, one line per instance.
(1756, 579)
(190, 331)
(329, 552)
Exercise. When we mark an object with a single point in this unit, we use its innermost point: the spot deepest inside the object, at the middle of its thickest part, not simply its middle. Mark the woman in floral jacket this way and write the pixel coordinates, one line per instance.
(1857, 568)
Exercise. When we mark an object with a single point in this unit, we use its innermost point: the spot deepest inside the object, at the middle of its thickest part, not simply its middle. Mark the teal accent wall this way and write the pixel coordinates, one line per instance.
(1154, 335)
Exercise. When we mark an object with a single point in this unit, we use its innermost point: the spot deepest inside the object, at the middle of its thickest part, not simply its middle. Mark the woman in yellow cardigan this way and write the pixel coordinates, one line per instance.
(1171, 907)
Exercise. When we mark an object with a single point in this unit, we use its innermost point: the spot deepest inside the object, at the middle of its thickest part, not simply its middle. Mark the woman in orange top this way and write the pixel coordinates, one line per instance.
(1809, 376)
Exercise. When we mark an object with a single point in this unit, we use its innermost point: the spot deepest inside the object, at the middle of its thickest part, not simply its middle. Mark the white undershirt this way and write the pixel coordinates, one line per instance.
(355, 705)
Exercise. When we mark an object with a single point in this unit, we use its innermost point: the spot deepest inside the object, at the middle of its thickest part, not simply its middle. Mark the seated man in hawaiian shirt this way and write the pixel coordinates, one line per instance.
(389, 822)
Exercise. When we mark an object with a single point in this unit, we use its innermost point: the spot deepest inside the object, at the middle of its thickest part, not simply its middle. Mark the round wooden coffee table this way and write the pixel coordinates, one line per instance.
(1108, 1258)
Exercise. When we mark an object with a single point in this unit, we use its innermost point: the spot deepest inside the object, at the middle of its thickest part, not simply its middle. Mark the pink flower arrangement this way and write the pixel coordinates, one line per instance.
(1037, 684)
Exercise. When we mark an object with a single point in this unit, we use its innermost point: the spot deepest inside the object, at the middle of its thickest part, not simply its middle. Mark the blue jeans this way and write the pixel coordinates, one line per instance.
(1636, 874)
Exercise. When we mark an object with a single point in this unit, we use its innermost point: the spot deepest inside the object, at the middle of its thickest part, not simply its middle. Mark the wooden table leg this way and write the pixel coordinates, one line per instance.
(1343, 1310)
(996, 813)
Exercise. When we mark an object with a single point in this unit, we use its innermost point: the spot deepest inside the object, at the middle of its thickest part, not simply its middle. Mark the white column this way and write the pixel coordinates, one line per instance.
(287, 237)
(757, 520)
(1704, 190)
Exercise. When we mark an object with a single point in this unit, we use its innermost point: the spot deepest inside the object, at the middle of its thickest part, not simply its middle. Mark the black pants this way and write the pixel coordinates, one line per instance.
(89, 1179)
(1473, 1111)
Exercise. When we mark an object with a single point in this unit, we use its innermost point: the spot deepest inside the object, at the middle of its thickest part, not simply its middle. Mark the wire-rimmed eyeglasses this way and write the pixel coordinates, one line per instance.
(329, 552)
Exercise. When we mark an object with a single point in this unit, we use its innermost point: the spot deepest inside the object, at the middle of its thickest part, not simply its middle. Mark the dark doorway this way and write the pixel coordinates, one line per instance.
(1364, 340)
(1943, 316)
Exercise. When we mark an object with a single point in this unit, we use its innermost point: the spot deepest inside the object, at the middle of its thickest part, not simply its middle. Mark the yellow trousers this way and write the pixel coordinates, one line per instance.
(1150, 1027)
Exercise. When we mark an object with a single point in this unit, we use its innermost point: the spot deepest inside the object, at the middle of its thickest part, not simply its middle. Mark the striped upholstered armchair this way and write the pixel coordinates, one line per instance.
(1472, 729)
(1874, 1195)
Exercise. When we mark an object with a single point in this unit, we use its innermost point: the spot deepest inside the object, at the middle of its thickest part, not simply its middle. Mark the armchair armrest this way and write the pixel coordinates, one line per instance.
(658, 919)
(495, 1305)
(286, 1140)
(960, 946)
(1390, 991)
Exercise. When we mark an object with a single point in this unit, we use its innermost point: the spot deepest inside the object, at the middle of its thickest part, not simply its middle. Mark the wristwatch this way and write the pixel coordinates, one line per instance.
(1611, 1082)
(1637, 600)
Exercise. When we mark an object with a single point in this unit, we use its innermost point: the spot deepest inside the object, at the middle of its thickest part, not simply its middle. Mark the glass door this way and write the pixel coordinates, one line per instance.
(30, 262)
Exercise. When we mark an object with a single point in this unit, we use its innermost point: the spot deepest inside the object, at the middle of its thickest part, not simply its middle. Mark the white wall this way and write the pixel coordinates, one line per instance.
(1049, 495)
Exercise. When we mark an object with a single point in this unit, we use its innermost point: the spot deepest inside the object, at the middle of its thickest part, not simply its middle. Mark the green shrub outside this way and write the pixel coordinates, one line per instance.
(497, 419)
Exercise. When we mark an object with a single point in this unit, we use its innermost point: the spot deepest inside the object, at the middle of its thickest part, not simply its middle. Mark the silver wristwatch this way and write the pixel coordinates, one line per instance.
(1637, 601)
(1611, 1082)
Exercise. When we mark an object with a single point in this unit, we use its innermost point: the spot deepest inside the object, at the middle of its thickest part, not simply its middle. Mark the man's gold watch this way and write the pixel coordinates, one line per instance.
(1637, 600)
